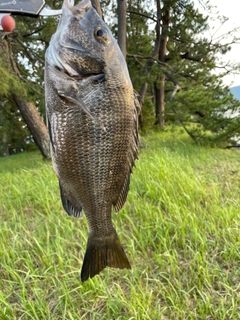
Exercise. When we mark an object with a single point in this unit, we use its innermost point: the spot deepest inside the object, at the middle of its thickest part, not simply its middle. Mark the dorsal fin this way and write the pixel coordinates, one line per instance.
(132, 156)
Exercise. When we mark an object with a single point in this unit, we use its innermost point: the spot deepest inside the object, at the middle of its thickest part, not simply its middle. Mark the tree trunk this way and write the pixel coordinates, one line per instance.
(96, 5)
(35, 124)
(122, 29)
(150, 62)
(159, 86)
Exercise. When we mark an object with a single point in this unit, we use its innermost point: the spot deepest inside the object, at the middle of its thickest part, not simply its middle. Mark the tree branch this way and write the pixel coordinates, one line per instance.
(29, 52)
(143, 15)
(28, 34)
(187, 56)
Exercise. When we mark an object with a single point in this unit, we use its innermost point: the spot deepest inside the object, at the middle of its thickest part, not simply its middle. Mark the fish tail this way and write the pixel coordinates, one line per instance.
(102, 252)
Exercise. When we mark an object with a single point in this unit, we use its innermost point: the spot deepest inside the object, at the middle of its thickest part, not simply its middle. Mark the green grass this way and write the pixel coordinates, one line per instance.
(180, 228)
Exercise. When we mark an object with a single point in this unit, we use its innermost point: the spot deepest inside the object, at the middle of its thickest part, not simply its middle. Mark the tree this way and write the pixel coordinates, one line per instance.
(139, 46)
(180, 56)
(23, 53)
(122, 28)
(35, 124)
(159, 84)
(14, 92)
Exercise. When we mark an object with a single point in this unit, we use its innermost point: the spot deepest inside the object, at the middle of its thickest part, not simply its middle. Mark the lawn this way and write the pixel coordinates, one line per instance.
(180, 228)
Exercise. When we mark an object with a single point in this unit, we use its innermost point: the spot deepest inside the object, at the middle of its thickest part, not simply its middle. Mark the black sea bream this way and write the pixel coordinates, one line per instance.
(92, 116)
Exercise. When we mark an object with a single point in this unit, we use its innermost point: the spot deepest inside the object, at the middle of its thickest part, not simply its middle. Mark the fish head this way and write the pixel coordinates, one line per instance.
(83, 44)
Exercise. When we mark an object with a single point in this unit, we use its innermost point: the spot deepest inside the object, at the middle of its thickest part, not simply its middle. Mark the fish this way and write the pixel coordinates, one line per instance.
(92, 117)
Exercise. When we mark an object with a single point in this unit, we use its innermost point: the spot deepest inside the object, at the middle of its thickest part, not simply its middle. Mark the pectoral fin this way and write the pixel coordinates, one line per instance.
(72, 96)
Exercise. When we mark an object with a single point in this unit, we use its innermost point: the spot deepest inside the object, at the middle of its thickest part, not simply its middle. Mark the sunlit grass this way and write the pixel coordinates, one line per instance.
(180, 228)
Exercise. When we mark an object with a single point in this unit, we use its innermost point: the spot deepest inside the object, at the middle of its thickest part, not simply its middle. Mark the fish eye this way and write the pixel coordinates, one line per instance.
(100, 34)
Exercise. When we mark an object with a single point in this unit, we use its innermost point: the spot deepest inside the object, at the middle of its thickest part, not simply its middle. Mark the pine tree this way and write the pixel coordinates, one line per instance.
(185, 59)
(23, 52)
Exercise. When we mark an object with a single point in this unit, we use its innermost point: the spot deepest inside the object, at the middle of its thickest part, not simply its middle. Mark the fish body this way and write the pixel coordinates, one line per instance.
(92, 114)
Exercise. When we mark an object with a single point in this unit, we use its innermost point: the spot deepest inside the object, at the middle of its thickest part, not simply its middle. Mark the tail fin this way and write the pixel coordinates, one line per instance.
(102, 252)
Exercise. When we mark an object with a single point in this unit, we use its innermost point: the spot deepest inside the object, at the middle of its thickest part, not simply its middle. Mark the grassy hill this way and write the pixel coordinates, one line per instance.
(180, 228)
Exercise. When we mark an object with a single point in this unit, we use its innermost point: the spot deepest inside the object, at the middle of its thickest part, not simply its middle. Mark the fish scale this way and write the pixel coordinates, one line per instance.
(92, 114)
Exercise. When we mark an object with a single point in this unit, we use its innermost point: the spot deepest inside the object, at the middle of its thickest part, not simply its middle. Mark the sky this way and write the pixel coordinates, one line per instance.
(230, 9)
